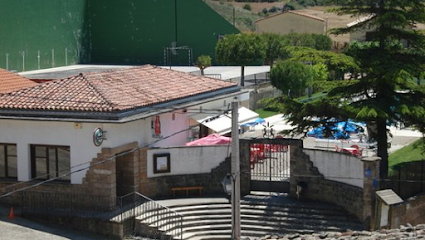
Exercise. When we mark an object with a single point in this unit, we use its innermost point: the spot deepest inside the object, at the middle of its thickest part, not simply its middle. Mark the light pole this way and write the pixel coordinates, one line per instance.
(236, 186)
(231, 183)
(228, 183)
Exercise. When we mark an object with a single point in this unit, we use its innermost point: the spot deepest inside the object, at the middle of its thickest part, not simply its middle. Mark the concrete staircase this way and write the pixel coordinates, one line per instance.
(210, 218)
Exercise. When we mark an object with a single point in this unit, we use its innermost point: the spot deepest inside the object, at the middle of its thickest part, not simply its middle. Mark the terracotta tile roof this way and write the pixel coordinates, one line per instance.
(293, 12)
(110, 91)
(10, 82)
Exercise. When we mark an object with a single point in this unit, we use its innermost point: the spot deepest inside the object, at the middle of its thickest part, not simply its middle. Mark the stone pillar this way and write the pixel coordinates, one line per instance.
(147, 187)
(370, 186)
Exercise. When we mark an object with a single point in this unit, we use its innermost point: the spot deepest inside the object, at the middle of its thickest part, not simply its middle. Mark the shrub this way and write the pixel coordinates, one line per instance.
(247, 7)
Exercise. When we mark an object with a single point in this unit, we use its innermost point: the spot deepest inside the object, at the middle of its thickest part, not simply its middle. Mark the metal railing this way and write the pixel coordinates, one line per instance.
(163, 221)
(161, 217)
(406, 179)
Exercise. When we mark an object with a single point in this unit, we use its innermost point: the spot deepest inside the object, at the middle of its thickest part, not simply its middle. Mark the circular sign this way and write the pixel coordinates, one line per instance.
(98, 137)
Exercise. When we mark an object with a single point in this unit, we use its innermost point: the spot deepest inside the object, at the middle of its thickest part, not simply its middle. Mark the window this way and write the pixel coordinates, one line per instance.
(8, 161)
(50, 162)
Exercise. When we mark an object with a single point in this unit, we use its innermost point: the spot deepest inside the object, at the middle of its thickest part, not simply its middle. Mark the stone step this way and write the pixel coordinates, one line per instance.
(275, 222)
(211, 218)
(294, 222)
(265, 227)
(333, 212)
(224, 208)
(244, 233)
(292, 204)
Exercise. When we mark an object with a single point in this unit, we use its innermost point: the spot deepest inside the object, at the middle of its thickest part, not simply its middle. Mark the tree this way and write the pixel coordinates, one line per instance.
(273, 43)
(386, 93)
(291, 77)
(322, 42)
(240, 49)
(203, 62)
(320, 72)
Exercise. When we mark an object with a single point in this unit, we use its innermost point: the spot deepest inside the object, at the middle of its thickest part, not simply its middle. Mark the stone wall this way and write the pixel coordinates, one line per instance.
(355, 200)
(320, 189)
(412, 211)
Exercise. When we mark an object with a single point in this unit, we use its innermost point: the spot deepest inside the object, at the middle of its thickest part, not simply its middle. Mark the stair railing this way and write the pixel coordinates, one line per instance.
(162, 217)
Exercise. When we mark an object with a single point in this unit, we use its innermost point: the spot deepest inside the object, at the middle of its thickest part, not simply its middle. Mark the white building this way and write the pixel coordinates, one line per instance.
(57, 125)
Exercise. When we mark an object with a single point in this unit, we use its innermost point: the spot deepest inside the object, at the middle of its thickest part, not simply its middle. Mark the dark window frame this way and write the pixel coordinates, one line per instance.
(6, 160)
(47, 157)
(155, 162)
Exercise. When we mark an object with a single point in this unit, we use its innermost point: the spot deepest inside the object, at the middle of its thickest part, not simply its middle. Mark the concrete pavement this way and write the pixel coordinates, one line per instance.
(401, 137)
(22, 229)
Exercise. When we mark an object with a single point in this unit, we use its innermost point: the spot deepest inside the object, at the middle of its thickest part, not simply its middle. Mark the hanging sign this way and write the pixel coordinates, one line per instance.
(98, 137)
(156, 127)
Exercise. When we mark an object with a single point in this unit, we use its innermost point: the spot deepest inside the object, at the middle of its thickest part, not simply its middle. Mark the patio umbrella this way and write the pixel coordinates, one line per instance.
(212, 139)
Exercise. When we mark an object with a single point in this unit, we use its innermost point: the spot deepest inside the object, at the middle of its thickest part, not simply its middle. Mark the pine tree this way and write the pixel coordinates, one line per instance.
(391, 60)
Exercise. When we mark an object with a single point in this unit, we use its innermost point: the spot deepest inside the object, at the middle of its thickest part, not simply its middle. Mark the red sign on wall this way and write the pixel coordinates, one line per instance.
(156, 126)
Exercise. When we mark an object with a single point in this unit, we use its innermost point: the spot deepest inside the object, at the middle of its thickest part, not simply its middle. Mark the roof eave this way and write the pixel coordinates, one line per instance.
(118, 116)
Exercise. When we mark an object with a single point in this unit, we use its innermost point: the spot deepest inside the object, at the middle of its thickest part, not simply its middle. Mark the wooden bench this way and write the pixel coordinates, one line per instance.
(187, 189)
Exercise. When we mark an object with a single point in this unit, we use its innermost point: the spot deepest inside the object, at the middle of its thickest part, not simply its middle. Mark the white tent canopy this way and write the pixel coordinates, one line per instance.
(222, 124)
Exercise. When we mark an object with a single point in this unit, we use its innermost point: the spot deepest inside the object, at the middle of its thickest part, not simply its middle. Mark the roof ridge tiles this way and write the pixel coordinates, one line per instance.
(107, 101)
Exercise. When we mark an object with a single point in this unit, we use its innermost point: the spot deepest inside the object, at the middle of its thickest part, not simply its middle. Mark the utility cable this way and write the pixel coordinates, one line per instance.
(88, 162)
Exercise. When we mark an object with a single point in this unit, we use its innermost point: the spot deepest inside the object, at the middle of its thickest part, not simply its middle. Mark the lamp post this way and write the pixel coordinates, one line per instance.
(228, 183)
(234, 178)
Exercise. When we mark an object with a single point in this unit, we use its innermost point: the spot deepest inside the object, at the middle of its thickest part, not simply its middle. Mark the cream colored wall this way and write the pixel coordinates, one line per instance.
(289, 22)
(338, 167)
(189, 160)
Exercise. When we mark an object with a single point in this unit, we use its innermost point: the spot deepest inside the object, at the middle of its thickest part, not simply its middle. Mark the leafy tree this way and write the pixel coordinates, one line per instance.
(322, 42)
(385, 94)
(291, 77)
(337, 63)
(316, 41)
(273, 43)
(299, 39)
(240, 49)
(320, 72)
(203, 62)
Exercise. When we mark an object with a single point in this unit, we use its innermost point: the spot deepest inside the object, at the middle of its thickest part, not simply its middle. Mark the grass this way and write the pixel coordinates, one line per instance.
(265, 113)
(409, 153)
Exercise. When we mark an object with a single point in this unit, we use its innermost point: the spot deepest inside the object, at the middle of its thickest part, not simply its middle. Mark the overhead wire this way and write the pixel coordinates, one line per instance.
(93, 164)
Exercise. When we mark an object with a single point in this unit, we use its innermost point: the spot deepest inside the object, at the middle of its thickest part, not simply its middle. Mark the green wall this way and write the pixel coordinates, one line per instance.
(29, 29)
(137, 31)
(104, 31)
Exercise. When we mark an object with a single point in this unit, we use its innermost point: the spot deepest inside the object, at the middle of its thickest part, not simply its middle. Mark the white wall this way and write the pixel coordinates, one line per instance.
(338, 167)
(190, 160)
(25, 133)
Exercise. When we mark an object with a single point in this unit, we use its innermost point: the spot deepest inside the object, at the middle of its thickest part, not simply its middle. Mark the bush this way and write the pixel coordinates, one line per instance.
(322, 42)
(273, 9)
(247, 7)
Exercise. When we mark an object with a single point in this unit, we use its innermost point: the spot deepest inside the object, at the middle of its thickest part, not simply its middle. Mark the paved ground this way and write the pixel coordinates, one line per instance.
(401, 137)
(20, 228)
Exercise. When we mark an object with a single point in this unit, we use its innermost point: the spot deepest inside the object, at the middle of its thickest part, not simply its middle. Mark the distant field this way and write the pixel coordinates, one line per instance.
(334, 21)
(258, 7)
(244, 19)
